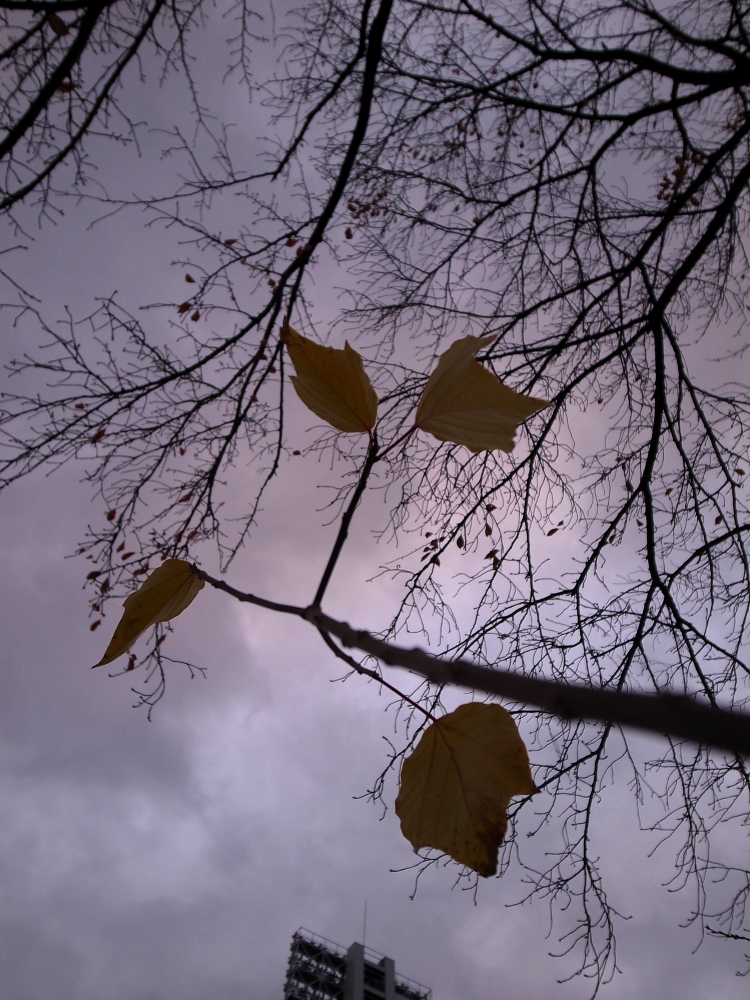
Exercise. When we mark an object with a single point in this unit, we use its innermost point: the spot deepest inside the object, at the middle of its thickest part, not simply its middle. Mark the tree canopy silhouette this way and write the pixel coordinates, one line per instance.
(570, 181)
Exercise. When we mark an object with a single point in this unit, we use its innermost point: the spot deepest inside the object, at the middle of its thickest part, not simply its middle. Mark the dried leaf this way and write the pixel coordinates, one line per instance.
(332, 383)
(163, 596)
(458, 782)
(60, 27)
(465, 403)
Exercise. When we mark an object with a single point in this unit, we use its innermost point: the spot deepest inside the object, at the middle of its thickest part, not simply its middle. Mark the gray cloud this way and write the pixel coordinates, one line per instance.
(146, 860)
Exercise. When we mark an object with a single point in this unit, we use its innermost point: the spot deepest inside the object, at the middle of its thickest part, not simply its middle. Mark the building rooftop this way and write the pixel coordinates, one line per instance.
(320, 969)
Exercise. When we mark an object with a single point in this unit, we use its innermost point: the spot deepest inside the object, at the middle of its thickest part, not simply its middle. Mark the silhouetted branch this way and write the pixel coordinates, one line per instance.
(666, 714)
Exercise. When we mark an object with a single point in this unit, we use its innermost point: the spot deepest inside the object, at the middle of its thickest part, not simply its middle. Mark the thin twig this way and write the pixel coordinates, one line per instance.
(346, 520)
(350, 661)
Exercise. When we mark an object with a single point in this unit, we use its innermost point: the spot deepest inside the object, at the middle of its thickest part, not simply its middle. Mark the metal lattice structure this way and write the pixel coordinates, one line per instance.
(321, 970)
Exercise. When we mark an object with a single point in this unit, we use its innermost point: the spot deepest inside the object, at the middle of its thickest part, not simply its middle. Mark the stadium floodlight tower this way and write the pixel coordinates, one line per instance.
(321, 970)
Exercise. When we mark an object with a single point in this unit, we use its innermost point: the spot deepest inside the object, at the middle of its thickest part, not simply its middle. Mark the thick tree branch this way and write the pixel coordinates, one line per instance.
(668, 715)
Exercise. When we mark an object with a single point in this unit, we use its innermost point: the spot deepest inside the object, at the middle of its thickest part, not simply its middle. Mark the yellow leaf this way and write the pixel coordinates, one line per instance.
(162, 596)
(456, 785)
(465, 403)
(332, 383)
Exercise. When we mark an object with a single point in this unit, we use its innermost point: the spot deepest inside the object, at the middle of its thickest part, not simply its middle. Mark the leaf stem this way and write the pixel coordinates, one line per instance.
(284, 609)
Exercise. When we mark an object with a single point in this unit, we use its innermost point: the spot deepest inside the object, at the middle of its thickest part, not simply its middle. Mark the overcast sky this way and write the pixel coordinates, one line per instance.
(175, 858)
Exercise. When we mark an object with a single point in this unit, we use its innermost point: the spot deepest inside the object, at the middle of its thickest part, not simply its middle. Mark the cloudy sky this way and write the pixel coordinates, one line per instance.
(174, 858)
